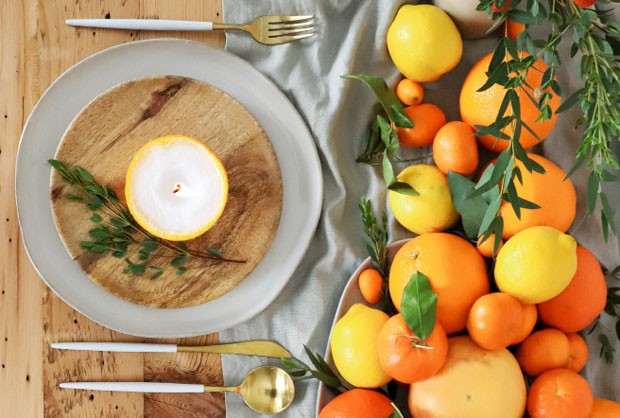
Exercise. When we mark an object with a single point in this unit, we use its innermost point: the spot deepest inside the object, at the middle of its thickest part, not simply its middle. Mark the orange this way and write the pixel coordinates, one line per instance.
(455, 148)
(604, 408)
(409, 92)
(455, 270)
(552, 191)
(530, 317)
(481, 108)
(485, 248)
(496, 320)
(582, 301)
(371, 285)
(512, 29)
(578, 352)
(405, 357)
(473, 383)
(544, 350)
(427, 119)
(358, 403)
(560, 393)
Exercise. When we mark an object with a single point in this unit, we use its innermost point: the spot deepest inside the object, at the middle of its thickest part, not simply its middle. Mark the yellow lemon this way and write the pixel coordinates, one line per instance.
(536, 264)
(424, 42)
(176, 187)
(354, 346)
(432, 210)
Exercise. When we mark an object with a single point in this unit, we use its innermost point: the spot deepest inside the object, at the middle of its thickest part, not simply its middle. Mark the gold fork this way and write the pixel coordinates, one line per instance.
(268, 30)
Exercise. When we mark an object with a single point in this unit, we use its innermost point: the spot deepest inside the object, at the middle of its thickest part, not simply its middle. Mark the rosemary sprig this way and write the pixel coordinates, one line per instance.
(593, 35)
(376, 237)
(302, 371)
(116, 231)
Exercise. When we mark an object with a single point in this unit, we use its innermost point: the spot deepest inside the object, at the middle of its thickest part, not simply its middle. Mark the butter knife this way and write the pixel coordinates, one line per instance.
(262, 348)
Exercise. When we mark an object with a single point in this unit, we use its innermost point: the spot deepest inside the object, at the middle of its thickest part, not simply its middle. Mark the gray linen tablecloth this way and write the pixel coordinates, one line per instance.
(351, 39)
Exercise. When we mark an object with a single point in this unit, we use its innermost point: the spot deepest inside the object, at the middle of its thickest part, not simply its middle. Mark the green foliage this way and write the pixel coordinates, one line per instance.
(321, 371)
(419, 306)
(116, 232)
(597, 37)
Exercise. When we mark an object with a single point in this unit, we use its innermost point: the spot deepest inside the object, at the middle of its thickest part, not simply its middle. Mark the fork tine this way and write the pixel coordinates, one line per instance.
(286, 39)
(285, 32)
(284, 19)
(309, 23)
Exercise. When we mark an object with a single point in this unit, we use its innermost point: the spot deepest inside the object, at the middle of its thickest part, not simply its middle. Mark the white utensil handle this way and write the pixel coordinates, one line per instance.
(118, 347)
(143, 387)
(141, 24)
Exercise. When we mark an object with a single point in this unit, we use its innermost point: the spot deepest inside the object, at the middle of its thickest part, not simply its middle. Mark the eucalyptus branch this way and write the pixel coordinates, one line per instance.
(593, 33)
(118, 232)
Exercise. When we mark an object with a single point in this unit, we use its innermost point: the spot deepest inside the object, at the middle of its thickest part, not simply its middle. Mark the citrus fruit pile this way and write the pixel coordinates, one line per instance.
(504, 320)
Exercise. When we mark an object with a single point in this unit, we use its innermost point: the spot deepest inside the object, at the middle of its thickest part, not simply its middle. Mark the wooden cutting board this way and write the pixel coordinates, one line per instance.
(106, 135)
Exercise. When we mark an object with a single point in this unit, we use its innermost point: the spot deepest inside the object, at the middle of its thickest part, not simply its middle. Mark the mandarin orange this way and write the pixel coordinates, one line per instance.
(455, 148)
(358, 403)
(560, 393)
(544, 350)
(427, 120)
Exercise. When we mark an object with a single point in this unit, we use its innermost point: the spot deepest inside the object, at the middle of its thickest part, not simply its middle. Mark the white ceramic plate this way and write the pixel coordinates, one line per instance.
(292, 142)
(350, 296)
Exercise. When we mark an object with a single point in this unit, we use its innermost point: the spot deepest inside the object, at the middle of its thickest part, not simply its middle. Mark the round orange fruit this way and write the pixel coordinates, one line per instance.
(455, 148)
(405, 357)
(442, 259)
(560, 393)
(497, 320)
(582, 301)
(358, 403)
(371, 285)
(544, 350)
(473, 383)
(578, 352)
(604, 408)
(552, 191)
(486, 247)
(409, 92)
(427, 119)
(481, 107)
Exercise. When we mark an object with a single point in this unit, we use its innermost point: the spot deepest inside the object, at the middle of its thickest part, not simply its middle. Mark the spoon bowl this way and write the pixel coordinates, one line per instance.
(267, 390)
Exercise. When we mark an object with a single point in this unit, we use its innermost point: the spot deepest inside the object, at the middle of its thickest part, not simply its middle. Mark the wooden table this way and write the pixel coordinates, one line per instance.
(35, 48)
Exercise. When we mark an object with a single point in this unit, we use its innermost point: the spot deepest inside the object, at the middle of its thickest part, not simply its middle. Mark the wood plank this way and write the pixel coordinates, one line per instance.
(36, 48)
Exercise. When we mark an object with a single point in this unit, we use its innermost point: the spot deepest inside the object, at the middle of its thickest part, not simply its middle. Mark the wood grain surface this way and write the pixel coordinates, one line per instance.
(107, 134)
(36, 47)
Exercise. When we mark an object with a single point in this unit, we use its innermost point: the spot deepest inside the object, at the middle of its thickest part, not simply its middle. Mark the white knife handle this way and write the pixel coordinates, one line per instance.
(143, 387)
(117, 347)
(141, 24)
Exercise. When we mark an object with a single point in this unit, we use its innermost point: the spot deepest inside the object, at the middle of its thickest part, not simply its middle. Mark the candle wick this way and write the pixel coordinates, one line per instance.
(177, 188)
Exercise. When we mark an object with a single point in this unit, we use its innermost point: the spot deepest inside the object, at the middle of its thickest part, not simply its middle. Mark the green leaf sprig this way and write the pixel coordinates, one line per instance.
(116, 231)
(595, 36)
(322, 372)
(419, 307)
(376, 237)
(383, 146)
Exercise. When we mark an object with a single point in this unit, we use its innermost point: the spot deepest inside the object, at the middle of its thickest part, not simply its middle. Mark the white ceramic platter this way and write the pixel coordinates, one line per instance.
(350, 296)
(292, 142)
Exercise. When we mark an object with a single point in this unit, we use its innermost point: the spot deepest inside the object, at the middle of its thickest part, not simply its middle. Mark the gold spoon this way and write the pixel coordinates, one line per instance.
(265, 389)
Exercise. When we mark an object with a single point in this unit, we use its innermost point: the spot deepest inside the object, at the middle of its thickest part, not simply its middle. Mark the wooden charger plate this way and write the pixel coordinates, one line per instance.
(107, 133)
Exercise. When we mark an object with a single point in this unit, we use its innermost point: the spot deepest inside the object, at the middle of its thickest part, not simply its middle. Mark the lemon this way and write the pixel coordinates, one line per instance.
(424, 42)
(432, 210)
(354, 346)
(536, 264)
(176, 187)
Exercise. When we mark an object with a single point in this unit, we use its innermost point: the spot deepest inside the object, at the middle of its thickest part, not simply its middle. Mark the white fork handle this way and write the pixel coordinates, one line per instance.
(143, 387)
(141, 24)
